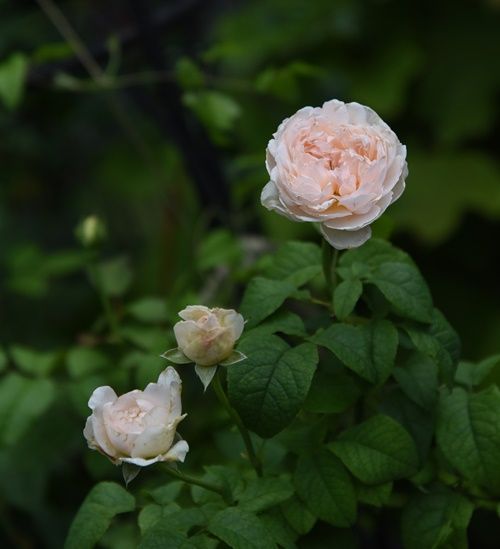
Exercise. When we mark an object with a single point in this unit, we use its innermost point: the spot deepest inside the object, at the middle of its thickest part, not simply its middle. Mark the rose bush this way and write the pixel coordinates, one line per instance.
(339, 165)
(138, 427)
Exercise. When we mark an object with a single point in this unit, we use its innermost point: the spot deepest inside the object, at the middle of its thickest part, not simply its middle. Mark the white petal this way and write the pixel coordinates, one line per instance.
(205, 373)
(177, 452)
(101, 396)
(342, 240)
(269, 196)
(140, 462)
(168, 377)
(193, 312)
(100, 434)
(398, 189)
(88, 432)
(153, 441)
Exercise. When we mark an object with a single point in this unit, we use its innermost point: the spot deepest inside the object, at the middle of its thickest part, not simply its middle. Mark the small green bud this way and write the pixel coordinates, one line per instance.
(91, 231)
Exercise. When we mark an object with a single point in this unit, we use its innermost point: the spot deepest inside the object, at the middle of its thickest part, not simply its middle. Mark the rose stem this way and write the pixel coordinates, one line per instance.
(197, 482)
(105, 302)
(245, 435)
(333, 268)
(330, 257)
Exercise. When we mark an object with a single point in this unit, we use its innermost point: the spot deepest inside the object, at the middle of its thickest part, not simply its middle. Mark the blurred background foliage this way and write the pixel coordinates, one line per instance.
(155, 115)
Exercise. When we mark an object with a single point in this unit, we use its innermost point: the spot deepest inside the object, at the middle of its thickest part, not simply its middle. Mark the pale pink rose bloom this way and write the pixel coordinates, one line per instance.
(207, 336)
(339, 165)
(138, 427)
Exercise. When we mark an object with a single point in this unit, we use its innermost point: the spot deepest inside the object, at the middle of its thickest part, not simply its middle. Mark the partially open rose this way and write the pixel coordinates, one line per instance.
(339, 165)
(138, 427)
(207, 337)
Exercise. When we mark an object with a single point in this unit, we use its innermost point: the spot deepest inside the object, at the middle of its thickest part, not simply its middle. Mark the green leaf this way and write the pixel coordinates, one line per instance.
(162, 536)
(428, 520)
(113, 277)
(295, 262)
(418, 378)
(22, 402)
(376, 451)
(240, 529)
(377, 496)
(84, 361)
(3, 360)
(270, 386)
(345, 297)
(405, 289)
(359, 262)
(332, 392)
(283, 82)
(13, 72)
(219, 248)
(262, 493)
(427, 343)
(279, 529)
(298, 515)
(37, 363)
(189, 74)
(167, 493)
(217, 111)
(262, 297)
(149, 309)
(446, 176)
(417, 421)
(234, 358)
(369, 350)
(176, 356)
(471, 375)
(324, 485)
(152, 513)
(443, 331)
(102, 504)
(228, 478)
(149, 338)
(468, 434)
(283, 322)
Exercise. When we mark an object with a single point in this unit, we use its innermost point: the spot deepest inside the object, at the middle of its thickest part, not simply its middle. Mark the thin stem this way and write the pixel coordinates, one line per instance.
(333, 268)
(102, 81)
(330, 259)
(327, 254)
(105, 302)
(221, 395)
(61, 23)
(196, 482)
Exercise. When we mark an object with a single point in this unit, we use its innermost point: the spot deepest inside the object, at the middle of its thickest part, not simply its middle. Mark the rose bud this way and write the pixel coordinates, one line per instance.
(207, 338)
(138, 427)
(91, 231)
(339, 165)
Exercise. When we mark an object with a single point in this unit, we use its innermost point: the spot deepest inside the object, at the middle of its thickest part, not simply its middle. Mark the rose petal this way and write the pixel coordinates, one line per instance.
(101, 396)
(342, 240)
(101, 437)
(177, 452)
(193, 312)
(153, 441)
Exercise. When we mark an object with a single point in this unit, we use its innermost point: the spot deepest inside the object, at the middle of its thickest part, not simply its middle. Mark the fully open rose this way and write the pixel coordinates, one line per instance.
(138, 427)
(339, 165)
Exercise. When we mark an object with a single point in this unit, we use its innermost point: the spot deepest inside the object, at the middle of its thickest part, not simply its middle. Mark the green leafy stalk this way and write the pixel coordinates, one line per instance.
(105, 302)
(330, 257)
(221, 395)
(198, 482)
